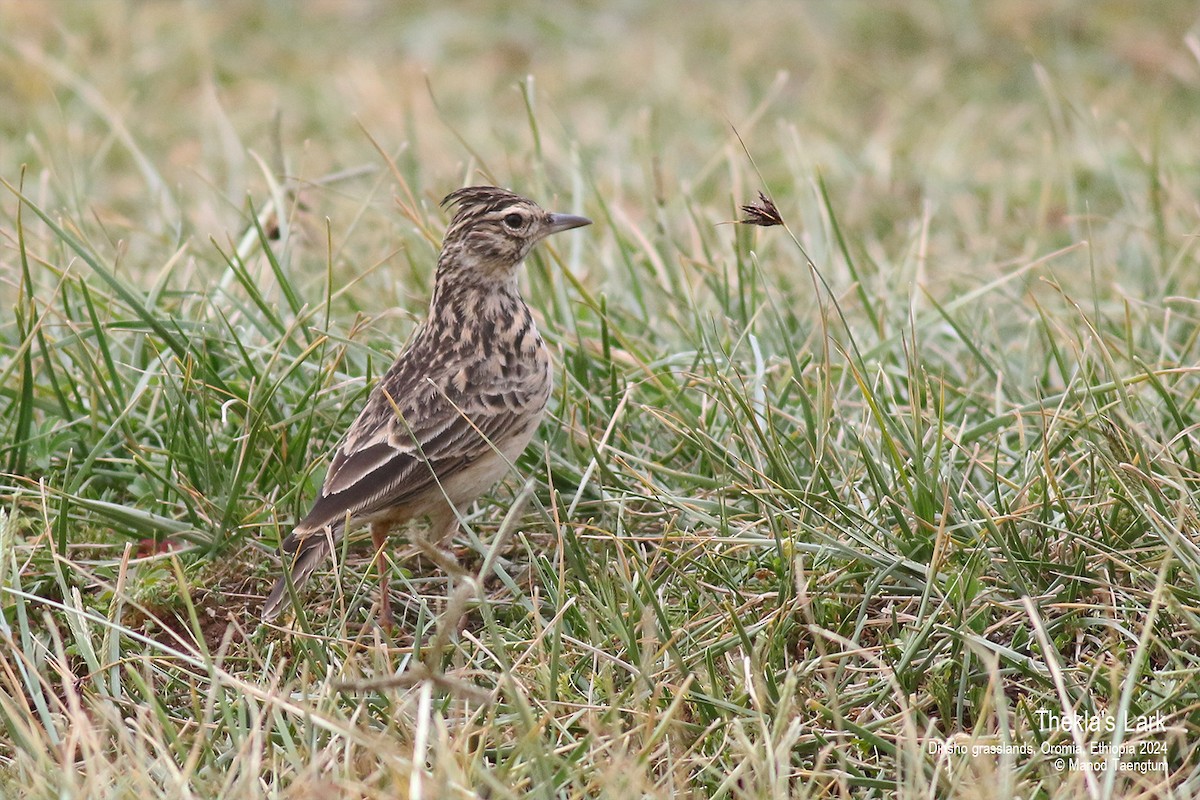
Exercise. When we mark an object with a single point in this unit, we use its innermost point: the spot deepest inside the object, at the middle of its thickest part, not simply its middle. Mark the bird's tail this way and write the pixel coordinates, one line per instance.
(301, 557)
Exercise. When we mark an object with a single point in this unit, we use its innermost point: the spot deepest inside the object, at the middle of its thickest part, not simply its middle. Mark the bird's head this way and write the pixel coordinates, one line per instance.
(494, 229)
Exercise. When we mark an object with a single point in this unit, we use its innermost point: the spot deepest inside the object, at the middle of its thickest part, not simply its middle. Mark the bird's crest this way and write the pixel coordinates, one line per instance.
(475, 201)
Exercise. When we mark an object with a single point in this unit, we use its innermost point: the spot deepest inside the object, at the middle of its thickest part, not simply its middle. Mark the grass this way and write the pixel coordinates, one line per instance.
(818, 509)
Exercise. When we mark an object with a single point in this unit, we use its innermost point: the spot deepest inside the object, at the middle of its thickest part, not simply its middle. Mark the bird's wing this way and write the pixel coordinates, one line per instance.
(413, 433)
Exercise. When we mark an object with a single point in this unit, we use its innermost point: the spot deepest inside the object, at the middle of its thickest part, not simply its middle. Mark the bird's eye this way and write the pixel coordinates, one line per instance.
(514, 221)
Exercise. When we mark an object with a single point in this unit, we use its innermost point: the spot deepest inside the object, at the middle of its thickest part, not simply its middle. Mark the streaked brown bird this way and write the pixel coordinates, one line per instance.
(458, 406)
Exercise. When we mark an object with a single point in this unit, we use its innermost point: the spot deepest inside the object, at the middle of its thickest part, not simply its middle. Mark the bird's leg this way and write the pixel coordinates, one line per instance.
(442, 557)
(442, 528)
(379, 532)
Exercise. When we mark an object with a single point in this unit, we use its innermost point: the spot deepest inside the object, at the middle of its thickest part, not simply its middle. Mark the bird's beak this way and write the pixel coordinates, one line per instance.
(565, 222)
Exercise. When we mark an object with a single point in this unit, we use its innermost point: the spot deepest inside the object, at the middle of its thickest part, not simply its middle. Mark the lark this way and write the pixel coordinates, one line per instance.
(462, 401)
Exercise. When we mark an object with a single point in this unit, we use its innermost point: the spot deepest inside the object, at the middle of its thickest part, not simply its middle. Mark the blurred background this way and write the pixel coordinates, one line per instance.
(997, 118)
